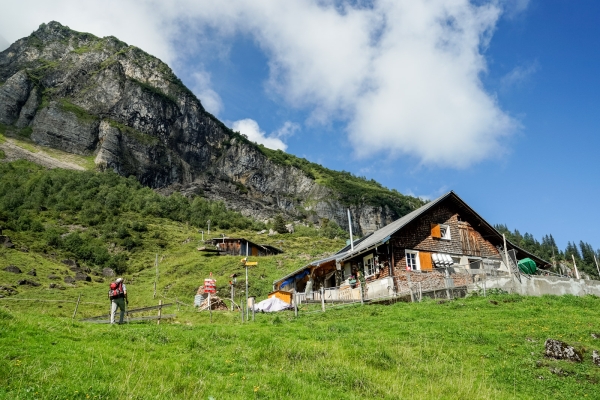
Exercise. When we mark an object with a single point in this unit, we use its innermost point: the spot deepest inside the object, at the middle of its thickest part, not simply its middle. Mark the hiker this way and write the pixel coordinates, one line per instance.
(118, 297)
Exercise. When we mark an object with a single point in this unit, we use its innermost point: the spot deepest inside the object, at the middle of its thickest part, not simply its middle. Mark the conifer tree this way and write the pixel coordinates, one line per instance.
(279, 224)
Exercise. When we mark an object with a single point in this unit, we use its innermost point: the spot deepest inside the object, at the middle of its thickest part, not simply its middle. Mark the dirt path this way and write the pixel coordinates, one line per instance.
(14, 152)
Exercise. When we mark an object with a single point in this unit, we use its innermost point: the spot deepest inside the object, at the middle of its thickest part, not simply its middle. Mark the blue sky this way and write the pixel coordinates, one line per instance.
(495, 100)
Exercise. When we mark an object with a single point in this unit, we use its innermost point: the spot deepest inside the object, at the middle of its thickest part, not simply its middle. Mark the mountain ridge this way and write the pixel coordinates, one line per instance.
(101, 97)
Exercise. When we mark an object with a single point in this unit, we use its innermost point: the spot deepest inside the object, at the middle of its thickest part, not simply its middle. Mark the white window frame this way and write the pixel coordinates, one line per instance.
(369, 265)
(446, 230)
(414, 253)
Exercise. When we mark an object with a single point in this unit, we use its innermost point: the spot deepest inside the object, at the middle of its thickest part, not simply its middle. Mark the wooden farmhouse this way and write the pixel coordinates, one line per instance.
(443, 240)
(240, 247)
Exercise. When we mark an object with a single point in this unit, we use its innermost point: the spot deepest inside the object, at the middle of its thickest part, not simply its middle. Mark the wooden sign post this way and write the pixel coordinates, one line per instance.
(248, 264)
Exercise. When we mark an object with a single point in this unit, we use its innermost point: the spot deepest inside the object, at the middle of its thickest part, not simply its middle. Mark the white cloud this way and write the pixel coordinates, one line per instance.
(287, 129)
(210, 99)
(136, 23)
(403, 75)
(518, 75)
(3, 44)
(250, 128)
(515, 7)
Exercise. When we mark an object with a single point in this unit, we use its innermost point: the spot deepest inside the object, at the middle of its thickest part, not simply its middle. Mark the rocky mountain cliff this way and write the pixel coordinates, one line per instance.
(101, 98)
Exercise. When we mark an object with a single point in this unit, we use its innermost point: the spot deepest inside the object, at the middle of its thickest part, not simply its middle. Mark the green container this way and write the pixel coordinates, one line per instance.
(527, 266)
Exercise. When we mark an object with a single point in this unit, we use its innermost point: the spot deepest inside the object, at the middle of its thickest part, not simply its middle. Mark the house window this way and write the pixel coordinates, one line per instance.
(440, 231)
(444, 232)
(412, 260)
(369, 265)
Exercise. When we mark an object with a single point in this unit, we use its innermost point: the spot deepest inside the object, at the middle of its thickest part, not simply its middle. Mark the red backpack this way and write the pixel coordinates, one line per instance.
(116, 290)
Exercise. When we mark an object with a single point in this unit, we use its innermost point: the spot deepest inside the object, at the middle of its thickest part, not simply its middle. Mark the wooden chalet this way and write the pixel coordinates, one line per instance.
(443, 237)
(240, 247)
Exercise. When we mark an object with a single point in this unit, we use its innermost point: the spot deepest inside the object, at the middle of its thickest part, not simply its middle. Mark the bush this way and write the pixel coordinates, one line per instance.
(331, 230)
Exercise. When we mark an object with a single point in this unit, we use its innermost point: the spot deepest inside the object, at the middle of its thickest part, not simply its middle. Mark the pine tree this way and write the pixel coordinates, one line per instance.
(279, 224)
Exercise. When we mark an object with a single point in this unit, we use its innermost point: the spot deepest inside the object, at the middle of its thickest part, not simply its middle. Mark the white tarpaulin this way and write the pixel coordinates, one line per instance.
(271, 305)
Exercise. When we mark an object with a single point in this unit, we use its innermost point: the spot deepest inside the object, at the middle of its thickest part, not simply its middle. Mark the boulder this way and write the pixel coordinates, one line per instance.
(596, 357)
(107, 272)
(562, 351)
(6, 242)
(32, 272)
(14, 269)
(53, 277)
(98, 279)
(7, 290)
(28, 282)
(57, 286)
(69, 279)
(70, 263)
(80, 276)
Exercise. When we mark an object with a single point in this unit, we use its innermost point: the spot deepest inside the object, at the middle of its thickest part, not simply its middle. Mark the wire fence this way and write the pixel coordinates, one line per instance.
(412, 286)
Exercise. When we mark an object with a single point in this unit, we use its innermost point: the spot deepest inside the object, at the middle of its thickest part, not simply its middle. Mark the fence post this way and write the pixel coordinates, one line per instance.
(253, 309)
(76, 307)
(362, 301)
(295, 304)
(412, 295)
(159, 312)
(210, 307)
(447, 281)
(420, 292)
(484, 280)
(323, 298)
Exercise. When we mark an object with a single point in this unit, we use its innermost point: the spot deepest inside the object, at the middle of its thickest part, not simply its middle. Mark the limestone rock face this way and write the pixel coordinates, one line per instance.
(55, 127)
(13, 96)
(101, 97)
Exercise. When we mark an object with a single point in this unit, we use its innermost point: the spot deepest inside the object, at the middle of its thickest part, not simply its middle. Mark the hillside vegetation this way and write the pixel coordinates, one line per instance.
(104, 220)
(352, 190)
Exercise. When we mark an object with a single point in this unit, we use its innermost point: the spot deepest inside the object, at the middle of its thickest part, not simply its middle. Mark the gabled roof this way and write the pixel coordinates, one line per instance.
(265, 247)
(382, 235)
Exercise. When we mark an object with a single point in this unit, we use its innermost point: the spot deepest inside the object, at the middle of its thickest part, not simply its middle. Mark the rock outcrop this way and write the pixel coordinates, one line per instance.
(100, 97)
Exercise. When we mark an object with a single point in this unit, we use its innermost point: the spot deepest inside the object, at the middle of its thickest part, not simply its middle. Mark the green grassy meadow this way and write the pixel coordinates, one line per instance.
(463, 349)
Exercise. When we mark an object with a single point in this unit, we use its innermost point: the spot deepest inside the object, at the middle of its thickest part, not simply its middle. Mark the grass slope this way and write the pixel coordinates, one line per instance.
(464, 349)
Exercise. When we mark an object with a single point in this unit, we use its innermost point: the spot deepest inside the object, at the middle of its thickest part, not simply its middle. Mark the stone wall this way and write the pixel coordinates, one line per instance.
(543, 285)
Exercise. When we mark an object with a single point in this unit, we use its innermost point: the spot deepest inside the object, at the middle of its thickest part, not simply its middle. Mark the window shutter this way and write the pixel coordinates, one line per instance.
(425, 261)
(435, 231)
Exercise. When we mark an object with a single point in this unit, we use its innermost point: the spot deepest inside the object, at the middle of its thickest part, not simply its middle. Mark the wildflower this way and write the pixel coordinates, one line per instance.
(256, 388)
